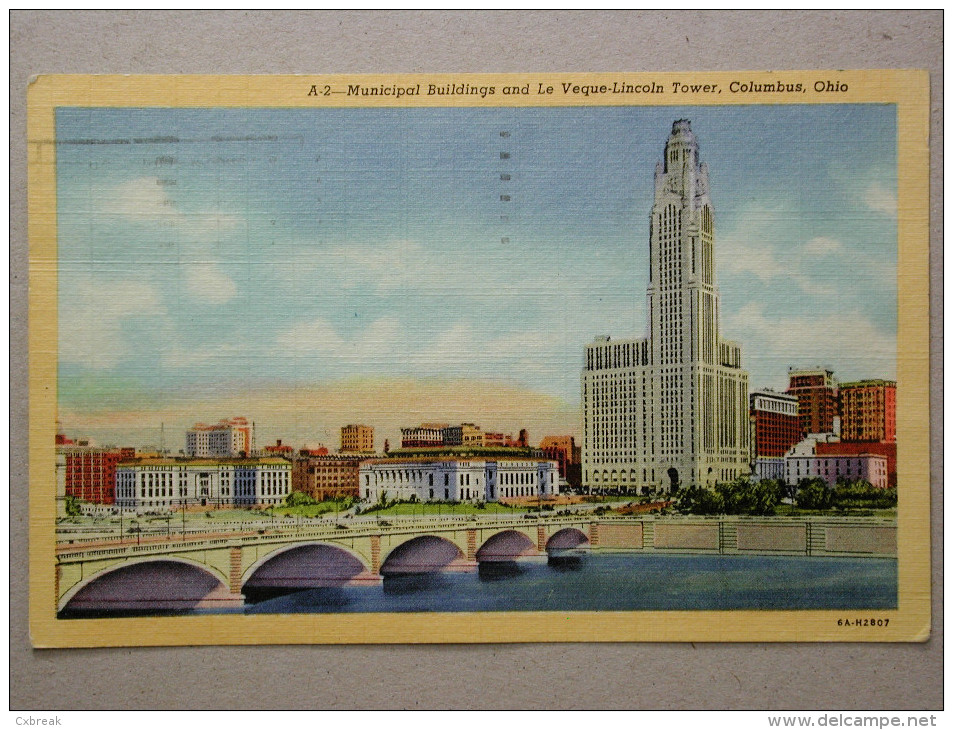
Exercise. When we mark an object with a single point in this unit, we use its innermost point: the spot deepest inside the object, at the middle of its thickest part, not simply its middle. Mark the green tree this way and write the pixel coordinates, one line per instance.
(741, 497)
(763, 497)
(700, 501)
(299, 499)
(863, 494)
(814, 494)
(71, 505)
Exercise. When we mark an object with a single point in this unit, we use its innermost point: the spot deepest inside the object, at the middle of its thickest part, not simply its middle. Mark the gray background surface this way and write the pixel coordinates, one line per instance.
(554, 676)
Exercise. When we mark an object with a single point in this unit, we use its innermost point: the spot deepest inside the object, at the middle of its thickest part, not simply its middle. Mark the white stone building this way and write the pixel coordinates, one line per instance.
(161, 484)
(803, 462)
(458, 480)
(670, 410)
(230, 438)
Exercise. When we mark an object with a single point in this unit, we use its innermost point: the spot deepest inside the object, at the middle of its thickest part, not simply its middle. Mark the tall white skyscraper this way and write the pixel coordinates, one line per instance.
(670, 410)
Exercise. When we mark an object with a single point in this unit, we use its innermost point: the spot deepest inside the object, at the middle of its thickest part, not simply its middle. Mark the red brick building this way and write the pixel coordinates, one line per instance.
(816, 391)
(327, 476)
(776, 421)
(868, 411)
(563, 450)
(279, 449)
(91, 473)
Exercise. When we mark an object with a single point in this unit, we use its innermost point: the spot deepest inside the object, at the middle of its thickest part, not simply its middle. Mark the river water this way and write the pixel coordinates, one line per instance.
(613, 582)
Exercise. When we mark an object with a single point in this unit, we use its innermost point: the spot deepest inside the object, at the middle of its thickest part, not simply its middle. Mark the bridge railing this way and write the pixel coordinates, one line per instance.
(383, 527)
(69, 553)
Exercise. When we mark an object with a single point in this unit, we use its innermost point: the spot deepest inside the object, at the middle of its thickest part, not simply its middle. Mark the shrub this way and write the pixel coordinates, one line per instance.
(700, 501)
(861, 493)
(72, 507)
(814, 494)
(299, 499)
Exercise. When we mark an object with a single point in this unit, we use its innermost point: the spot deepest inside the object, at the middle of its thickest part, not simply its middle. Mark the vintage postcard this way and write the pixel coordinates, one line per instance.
(479, 358)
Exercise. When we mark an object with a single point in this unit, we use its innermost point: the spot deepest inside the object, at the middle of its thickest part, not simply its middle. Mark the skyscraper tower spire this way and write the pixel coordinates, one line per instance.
(670, 410)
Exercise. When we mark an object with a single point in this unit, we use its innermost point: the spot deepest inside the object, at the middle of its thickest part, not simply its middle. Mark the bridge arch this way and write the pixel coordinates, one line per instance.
(423, 554)
(566, 539)
(149, 583)
(306, 565)
(505, 545)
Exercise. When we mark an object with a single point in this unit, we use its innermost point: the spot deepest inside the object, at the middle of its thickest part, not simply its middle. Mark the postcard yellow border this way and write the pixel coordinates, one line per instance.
(908, 89)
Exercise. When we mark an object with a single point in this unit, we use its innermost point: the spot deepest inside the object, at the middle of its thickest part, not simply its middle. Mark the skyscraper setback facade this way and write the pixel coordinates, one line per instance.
(670, 410)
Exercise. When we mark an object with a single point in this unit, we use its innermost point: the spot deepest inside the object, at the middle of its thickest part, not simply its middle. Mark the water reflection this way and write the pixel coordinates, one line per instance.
(288, 600)
(566, 563)
(413, 583)
(500, 570)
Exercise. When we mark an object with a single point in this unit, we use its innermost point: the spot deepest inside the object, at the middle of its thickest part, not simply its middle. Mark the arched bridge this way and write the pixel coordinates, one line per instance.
(214, 571)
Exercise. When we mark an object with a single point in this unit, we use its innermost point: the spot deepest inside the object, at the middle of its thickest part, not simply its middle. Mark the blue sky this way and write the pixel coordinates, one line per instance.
(216, 260)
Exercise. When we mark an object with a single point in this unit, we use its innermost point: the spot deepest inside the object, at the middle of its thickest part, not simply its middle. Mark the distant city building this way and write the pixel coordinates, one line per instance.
(496, 440)
(170, 483)
(670, 410)
(357, 438)
(452, 436)
(816, 391)
(457, 479)
(325, 476)
(442, 435)
(228, 438)
(279, 449)
(776, 427)
(563, 450)
(804, 461)
(425, 436)
(466, 434)
(471, 435)
(868, 410)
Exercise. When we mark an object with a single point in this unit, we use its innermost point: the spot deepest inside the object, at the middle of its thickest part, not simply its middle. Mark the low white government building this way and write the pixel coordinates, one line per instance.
(458, 480)
(170, 483)
(803, 462)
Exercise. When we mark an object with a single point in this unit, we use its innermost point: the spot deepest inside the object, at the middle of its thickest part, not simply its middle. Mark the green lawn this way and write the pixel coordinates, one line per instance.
(308, 510)
(785, 510)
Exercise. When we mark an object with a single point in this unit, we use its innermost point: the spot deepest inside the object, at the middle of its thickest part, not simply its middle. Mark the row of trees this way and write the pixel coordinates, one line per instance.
(742, 497)
(303, 499)
(816, 494)
(739, 497)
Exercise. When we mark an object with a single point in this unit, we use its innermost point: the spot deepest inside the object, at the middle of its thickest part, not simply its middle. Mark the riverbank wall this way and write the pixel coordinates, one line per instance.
(818, 536)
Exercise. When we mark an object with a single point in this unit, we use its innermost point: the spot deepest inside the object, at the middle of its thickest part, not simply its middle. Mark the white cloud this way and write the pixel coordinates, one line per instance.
(389, 266)
(743, 257)
(823, 246)
(765, 246)
(460, 349)
(879, 199)
(91, 322)
(318, 338)
(207, 281)
(146, 200)
(847, 341)
(143, 199)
